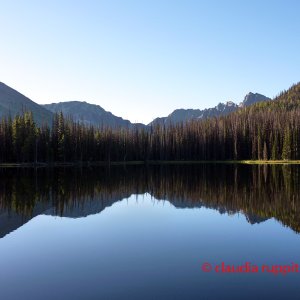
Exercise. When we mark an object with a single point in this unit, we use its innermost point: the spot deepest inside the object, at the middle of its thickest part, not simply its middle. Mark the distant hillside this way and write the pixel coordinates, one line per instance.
(13, 103)
(89, 114)
(222, 109)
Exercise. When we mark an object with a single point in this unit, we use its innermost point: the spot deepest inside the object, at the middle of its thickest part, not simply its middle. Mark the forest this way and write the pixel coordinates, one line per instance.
(264, 131)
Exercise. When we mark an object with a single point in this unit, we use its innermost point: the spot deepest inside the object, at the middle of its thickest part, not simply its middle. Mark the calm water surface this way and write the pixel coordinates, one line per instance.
(144, 233)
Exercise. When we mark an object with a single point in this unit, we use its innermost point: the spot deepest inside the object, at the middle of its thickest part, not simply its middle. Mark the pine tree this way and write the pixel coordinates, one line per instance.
(265, 152)
(286, 148)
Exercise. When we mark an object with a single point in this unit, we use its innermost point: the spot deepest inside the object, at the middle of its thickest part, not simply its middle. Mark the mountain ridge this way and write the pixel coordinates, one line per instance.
(89, 114)
(221, 109)
(13, 102)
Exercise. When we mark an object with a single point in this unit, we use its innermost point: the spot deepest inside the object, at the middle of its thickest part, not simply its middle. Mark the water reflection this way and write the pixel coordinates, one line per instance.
(259, 192)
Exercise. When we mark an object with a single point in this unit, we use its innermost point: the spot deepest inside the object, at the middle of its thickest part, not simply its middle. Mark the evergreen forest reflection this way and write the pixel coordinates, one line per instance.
(259, 192)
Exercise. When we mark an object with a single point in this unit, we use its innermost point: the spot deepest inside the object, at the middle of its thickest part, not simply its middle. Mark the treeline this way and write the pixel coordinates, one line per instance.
(266, 130)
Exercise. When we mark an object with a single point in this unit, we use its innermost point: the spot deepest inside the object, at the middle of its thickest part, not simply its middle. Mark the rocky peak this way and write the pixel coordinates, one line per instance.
(252, 98)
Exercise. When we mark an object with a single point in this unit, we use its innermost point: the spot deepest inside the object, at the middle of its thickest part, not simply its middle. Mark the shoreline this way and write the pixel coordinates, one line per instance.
(150, 162)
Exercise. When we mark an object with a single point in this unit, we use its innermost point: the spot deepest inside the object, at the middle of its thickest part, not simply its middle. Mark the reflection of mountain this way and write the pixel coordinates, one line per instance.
(252, 219)
(10, 220)
(82, 210)
(258, 192)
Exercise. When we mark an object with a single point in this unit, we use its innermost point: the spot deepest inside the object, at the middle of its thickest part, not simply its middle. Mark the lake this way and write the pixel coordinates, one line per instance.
(210, 231)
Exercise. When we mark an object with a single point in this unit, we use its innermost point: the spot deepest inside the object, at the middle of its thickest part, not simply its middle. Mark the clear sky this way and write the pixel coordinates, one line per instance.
(143, 59)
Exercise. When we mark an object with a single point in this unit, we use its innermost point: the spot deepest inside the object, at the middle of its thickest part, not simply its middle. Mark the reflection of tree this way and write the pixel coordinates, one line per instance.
(260, 192)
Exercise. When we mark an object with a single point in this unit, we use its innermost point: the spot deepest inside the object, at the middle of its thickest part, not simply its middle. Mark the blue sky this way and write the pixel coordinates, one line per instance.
(143, 59)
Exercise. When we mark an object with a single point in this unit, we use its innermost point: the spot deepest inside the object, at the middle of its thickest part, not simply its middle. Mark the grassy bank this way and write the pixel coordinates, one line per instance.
(159, 162)
(270, 162)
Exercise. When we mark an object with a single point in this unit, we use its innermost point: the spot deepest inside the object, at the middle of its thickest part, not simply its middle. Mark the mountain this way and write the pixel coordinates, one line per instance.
(183, 115)
(13, 103)
(89, 114)
(286, 106)
(251, 98)
(222, 109)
